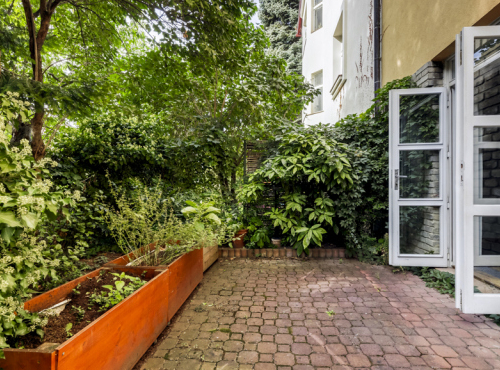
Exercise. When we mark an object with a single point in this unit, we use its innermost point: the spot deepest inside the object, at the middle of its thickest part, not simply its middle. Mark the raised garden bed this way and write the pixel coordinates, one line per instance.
(117, 339)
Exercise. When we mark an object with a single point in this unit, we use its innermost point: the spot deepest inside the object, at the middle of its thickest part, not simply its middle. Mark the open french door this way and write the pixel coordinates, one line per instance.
(478, 119)
(419, 203)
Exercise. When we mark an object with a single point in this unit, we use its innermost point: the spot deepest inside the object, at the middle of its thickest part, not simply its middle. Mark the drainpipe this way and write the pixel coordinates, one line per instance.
(377, 8)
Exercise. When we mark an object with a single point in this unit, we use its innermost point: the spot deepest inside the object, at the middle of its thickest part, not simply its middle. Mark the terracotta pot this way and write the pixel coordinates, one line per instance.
(276, 253)
(282, 252)
(239, 238)
(111, 342)
(276, 242)
(322, 253)
(244, 253)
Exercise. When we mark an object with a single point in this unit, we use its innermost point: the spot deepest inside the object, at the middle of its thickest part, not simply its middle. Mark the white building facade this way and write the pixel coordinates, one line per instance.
(337, 56)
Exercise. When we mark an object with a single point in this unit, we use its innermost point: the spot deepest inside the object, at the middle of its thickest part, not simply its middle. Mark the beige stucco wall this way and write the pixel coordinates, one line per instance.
(417, 31)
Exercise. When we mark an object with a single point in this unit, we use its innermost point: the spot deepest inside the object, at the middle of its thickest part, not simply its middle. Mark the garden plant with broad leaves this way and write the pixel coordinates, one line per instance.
(27, 254)
(308, 166)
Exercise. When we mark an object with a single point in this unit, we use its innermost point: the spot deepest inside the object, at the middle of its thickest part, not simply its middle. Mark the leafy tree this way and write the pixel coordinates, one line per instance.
(62, 54)
(211, 106)
(279, 18)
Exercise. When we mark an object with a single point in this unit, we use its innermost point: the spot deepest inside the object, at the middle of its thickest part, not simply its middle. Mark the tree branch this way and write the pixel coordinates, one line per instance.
(30, 23)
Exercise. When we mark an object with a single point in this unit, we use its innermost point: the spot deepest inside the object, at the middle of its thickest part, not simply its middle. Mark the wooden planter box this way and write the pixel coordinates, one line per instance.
(210, 255)
(119, 338)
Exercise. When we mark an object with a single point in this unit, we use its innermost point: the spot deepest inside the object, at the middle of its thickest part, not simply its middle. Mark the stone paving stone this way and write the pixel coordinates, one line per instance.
(272, 315)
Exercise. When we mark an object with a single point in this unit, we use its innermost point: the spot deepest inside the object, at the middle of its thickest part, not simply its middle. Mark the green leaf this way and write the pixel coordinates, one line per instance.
(119, 285)
(9, 218)
(189, 210)
(214, 218)
(7, 233)
(52, 208)
(30, 220)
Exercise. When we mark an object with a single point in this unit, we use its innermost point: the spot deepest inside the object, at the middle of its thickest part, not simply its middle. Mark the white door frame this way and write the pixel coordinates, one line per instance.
(443, 201)
(466, 231)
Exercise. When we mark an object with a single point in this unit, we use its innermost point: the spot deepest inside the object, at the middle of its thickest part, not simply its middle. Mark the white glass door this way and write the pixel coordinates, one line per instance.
(418, 191)
(479, 228)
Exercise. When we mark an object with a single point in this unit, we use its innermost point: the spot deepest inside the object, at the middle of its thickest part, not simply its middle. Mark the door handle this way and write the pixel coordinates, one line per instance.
(397, 176)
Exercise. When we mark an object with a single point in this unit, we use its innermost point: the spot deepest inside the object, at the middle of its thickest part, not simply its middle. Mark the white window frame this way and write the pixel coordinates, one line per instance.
(339, 38)
(467, 232)
(395, 202)
(322, 91)
(314, 8)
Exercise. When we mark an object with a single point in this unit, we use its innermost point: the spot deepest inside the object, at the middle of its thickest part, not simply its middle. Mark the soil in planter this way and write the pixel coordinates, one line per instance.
(55, 331)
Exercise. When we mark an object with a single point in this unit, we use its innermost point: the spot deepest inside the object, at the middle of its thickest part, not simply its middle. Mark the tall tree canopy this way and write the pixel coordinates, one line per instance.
(63, 54)
(279, 18)
(213, 104)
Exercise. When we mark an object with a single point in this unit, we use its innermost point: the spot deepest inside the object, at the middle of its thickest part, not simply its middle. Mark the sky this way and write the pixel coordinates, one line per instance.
(255, 18)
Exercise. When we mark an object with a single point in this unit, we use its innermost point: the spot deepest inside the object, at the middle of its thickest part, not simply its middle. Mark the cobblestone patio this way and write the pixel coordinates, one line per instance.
(322, 314)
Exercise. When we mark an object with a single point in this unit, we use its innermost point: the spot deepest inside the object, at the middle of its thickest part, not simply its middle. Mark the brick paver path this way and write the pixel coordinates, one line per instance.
(330, 314)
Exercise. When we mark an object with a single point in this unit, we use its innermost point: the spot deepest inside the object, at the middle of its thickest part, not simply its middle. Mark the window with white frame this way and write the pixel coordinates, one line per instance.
(338, 57)
(317, 81)
(317, 15)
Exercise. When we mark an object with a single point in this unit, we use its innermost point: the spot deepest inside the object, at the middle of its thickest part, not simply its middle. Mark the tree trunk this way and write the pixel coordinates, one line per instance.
(33, 131)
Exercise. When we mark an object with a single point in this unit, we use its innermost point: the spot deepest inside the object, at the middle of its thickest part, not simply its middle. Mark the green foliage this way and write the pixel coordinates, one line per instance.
(309, 167)
(374, 250)
(279, 18)
(442, 281)
(210, 109)
(145, 216)
(363, 211)
(28, 252)
(124, 285)
(80, 312)
(68, 328)
(204, 213)
(259, 235)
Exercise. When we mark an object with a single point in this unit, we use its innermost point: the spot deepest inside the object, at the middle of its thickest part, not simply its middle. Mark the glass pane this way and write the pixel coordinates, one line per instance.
(317, 2)
(486, 77)
(318, 18)
(419, 118)
(487, 240)
(318, 102)
(487, 165)
(419, 174)
(419, 230)
(317, 79)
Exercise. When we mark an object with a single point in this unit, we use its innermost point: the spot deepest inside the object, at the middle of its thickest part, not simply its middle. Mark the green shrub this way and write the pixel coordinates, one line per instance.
(309, 167)
(28, 253)
(144, 216)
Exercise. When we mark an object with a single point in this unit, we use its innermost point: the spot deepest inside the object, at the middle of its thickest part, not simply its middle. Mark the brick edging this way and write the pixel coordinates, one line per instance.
(279, 253)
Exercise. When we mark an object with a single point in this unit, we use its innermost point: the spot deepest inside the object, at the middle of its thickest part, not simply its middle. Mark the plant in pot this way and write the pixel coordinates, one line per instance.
(234, 227)
(258, 234)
